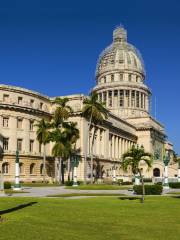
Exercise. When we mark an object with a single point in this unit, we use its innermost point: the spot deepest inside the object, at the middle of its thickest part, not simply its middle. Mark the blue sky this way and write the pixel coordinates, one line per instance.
(52, 47)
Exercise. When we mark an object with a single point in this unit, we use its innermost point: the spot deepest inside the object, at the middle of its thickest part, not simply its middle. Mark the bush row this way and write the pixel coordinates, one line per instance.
(155, 189)
(174, 184)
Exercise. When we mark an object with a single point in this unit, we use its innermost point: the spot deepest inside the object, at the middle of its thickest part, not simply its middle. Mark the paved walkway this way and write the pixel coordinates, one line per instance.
(46, 191)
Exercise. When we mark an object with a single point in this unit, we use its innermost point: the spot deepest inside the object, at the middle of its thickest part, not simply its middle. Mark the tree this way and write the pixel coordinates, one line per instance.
(95, 113)
(43, 137)
(62, 150)
(72, 135)
(132, 158)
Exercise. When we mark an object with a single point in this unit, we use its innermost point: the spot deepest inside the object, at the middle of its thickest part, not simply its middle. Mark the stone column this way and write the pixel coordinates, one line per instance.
(113, 147)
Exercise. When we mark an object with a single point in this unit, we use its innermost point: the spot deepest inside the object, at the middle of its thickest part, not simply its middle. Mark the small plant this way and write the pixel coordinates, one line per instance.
(155, 189)
(7, 185)
(174, 184)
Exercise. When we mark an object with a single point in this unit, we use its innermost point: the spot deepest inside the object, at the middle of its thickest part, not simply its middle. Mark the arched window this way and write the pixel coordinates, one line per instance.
(156, 172)
(32, 168)
(21, 168)
(5, 168)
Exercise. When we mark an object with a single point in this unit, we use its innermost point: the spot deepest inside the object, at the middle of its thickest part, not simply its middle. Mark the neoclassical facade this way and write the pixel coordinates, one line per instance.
(120, 78)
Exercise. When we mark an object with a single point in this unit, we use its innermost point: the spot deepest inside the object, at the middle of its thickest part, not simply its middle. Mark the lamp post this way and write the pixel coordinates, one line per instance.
(1, 183)
(166, 161)
(17, 185)
(114, 174)
(75, 163)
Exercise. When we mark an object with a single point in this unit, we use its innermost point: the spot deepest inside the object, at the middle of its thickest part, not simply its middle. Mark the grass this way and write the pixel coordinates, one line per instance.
(100, 187)
(40, 185)
(11, 191)
(102, 218)
(173, 193)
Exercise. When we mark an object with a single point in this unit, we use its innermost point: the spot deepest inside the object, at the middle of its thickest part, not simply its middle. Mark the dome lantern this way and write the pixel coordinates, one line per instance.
(119, 35)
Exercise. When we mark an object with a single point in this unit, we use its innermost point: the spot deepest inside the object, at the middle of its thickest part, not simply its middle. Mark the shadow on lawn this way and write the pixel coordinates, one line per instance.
(18, 207)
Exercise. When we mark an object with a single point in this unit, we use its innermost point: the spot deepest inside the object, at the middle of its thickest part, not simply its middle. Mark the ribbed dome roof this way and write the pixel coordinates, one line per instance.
(120, 55)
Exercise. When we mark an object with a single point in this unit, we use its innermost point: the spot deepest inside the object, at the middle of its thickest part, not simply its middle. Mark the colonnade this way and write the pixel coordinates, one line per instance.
(124, 98)
(108, 145)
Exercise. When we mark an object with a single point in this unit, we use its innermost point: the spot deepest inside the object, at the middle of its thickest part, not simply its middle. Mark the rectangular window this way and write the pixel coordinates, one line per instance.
(40, 146)
(127, 97)
(5, 98)
(137, 99)
(31, 125)
(5, 143)
(112, 78)
(110, 98)
(31, 143)
(5, 121)
(20, 100)
(121, 77)
(19, 123)
(104, 79)
(104, 97)
(115, 93)
(121, 100)
(133, 98)
(129, 77)
(19, 144)
(31, 103)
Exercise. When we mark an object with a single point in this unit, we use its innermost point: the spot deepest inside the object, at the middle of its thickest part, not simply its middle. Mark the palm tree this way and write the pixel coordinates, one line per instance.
(62, 150)
(95, 113)
(132, 158)
(62, 112)
(43, 137)
(72, 134)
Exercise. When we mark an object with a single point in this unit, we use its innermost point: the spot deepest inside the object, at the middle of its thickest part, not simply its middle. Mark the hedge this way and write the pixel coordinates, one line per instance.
(149, 189)
(7, 185)
(174, 184)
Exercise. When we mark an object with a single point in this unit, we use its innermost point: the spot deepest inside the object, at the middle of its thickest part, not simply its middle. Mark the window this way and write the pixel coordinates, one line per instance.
(100, 97)
(19, 144)
(110, 98)
(19, 123)
(20, 100)
(121, 103)
(129, 77)
(31, 143)
(121, 77)
(137, 99)
(31, 125)
(5, 168)
(112, 78)
(104, 97)
(41, 105)
(41, 169)
(104, 79)
(32, 168)
(127, 97)
(115, 93)
(5, 121)
(132, 98)
(137, 78)
(5, 98)
(31, 103)
(21, 168)
(40, 146)
(5, 143)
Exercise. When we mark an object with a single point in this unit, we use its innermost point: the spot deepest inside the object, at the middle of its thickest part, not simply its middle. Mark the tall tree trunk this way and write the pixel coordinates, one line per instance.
(60, 171)
(44, 164)
(92, 145)
(143, 189)
(69, 165)
(86, 151)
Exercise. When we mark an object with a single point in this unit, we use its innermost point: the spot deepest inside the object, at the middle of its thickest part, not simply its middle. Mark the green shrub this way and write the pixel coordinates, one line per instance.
(119, 181)
(69, 183)
(147, 180)
(7, 185)
(155, 189)
(174, 184)
(127, 183)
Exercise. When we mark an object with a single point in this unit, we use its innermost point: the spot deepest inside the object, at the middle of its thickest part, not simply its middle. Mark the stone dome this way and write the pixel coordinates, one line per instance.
(120, 56)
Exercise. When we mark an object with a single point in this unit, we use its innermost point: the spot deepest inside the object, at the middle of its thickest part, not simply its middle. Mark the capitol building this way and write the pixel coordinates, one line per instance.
(121, 85)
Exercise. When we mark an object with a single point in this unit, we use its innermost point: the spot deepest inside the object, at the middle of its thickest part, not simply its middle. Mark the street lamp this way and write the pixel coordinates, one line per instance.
(1, 183)
(166, 161)
(17, 185)
(75, 161)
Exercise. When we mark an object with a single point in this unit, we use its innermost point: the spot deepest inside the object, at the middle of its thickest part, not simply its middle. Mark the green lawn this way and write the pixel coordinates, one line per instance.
(100, 187)
(103, 218)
